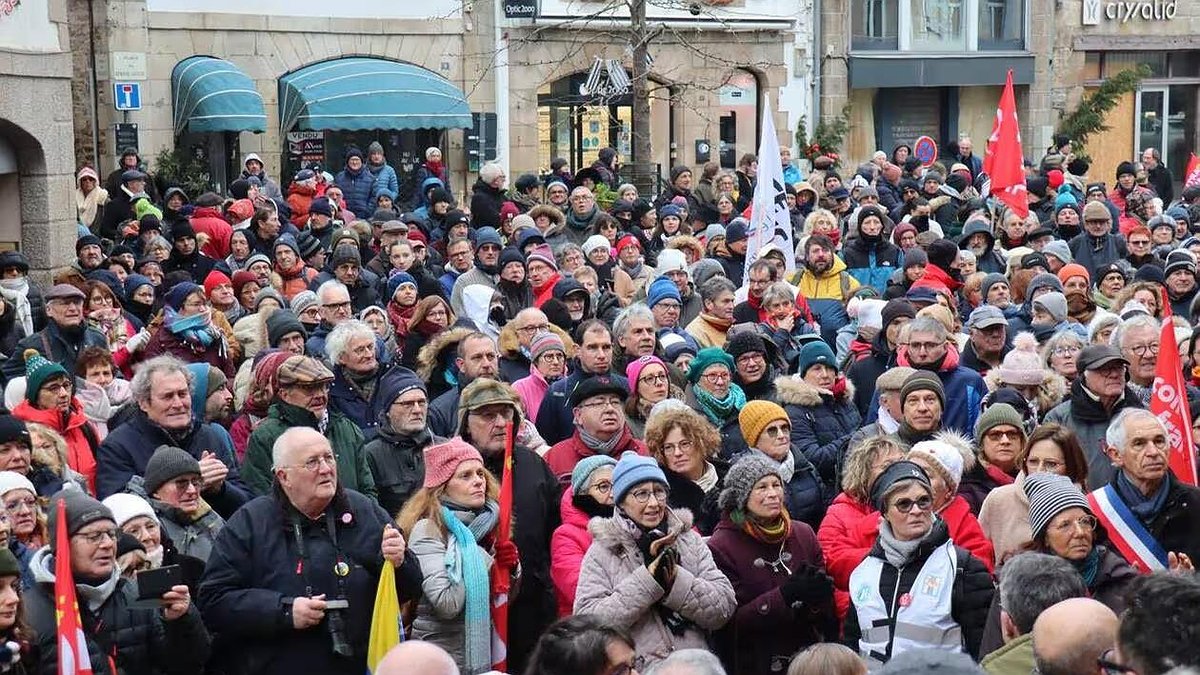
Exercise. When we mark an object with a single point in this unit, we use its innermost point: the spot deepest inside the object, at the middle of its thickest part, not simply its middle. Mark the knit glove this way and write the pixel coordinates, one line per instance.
(808, 585)
(507, 555)
(138, 341)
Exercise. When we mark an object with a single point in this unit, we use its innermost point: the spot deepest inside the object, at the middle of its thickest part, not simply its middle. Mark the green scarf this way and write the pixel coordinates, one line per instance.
(719, 411)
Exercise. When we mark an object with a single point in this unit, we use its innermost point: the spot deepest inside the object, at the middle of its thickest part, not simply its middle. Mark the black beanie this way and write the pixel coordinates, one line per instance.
(280, 323)
(744, 342)
(82, 510)
(942, 254)
(181, 230)
(168, 463)
(86, 240)
(239, 189)
(894, 309)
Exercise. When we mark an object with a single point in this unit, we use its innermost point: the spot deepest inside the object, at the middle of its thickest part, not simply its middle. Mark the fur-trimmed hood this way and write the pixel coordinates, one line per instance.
(1051, 391)
(794, 390)
(960, 442)
(558, 221)
(609, 533)
(510, 346)
(430, 356)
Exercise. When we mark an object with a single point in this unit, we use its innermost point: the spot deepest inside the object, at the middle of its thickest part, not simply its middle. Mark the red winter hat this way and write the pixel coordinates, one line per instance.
(215, 278)
(240, 210)
(417, 235)
(628, 240)
(508, 211)
(442, 460)
(1054, 178)
(241, 278)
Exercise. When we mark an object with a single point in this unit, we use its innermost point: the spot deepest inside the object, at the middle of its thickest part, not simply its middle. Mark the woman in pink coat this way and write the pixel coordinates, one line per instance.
(547, 364)
(590, 496)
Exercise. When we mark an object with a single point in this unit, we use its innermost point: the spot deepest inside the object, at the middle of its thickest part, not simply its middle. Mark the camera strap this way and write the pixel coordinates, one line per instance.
(341, 569)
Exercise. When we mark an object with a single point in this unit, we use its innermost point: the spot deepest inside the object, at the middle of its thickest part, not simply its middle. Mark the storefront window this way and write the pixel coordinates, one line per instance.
(1166, 121)
(1001, 24)
(937, 26)
(875, 24)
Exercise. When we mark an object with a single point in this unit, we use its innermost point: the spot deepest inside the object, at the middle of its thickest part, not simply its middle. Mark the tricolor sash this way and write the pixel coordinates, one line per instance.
(1126, 532)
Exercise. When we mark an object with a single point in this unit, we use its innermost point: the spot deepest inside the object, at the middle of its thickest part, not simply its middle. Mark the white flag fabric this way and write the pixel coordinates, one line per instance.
(770, 222)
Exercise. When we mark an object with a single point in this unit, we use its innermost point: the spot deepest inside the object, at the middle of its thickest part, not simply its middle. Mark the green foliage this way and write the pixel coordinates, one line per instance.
(1088, 117)
(827, 137)
(180, 168)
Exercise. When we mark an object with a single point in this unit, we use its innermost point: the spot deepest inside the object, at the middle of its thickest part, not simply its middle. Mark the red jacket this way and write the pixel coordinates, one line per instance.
(846, 535)
(937, 279)
(299, 200)
(81, 455)
(208, 220)
(565, 454)
(966, 532)
(568, 544)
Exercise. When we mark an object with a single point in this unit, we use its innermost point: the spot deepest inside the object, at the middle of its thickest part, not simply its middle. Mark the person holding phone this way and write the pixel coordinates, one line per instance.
(139, 638)
(648, 572)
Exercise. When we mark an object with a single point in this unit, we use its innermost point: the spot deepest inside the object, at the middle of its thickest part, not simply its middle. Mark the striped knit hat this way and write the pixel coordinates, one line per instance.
(1049, 495)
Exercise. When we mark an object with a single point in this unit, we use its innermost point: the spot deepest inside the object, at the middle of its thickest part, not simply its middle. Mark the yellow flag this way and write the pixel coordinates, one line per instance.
(385, 619)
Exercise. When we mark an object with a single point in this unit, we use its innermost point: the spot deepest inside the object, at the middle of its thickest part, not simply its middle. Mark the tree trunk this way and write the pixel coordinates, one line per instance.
(640, 166)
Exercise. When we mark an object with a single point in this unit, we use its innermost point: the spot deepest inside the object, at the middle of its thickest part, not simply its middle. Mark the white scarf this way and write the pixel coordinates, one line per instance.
(708, 480)
(87, 205)
(787, 468)
(17, 291)
(885, 421)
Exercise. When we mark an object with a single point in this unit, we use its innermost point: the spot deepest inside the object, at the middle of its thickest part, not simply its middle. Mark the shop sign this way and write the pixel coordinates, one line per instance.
(520, 9)
(730, 94)
(306, 147)
(125, 135)
(1095, 11)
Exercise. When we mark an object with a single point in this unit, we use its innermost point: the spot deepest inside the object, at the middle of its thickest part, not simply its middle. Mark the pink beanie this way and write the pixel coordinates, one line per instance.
(442, 460)
(633, 371)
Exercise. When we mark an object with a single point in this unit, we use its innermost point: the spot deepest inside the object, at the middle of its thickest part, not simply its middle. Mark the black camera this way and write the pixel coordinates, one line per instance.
(335, 620)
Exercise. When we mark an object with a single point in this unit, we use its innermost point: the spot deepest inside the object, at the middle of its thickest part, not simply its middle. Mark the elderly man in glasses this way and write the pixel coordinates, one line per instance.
(145, 638)
(292, 576)
(598, 405)
(66, 333)
(302, 400)
(173, 482)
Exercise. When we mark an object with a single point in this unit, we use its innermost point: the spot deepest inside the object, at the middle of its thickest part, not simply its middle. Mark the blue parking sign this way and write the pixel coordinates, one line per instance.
(127, 95)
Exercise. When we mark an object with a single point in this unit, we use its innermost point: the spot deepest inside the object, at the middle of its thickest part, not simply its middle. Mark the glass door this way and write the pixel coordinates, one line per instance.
(1151, 120)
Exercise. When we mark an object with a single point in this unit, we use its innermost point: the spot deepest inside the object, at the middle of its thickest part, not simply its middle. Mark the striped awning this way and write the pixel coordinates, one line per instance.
(211, 94)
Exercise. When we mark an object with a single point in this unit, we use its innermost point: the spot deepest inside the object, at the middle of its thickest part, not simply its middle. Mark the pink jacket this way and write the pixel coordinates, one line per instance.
(532, 390)
(567, 546)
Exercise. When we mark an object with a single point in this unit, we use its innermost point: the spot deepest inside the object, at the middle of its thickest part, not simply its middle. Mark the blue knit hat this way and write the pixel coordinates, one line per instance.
(669, 210)
(707, 357)
(661, 289)
(134, 282)
(487, 235)
(581, 476)
(179, 294)
(816, 352)
(395, 280)
(634, 469)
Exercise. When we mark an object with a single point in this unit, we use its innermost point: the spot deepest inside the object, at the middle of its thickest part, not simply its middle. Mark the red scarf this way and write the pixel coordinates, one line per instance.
(998, 475)
(435, 168)
(543, 293)
(399, 317)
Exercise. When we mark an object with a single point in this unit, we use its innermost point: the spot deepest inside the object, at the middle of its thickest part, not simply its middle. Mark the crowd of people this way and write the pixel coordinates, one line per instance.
(928, 447)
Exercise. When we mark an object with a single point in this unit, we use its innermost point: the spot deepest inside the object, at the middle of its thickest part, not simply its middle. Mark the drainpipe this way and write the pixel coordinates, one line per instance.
(95, 93)
(500, 72)
(815, 110)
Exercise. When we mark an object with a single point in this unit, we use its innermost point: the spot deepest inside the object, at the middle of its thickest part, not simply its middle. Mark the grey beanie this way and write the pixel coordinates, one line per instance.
(168, 463)
(1049, 495)
(303, 300)
(739, 481)
(81, 510)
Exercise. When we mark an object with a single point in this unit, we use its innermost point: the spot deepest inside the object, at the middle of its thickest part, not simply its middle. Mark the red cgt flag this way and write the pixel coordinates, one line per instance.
(73, 656)
(1191, 175)
(1168, 401)
(1004, 163)
(500, 580)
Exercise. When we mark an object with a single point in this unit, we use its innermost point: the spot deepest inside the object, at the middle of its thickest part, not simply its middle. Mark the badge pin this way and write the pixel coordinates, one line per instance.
(346, 518)
(905, 600)
(341, 569)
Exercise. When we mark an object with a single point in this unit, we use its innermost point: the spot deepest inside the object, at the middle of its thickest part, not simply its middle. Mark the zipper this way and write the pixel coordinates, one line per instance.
(894, 611)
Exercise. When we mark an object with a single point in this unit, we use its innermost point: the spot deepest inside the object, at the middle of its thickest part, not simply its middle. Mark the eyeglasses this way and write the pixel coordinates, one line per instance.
(1066, 350)
(530, 330)
(1141, 350)
(653, 379)
(195, 305)
(627, 668)
(1042, 465)
(716, 378)
(97, 537)
(15, 505)
(419, 403)
(337, 305)
(55, 387)
(1085, 522)
(554, 356)
(313, 464)
(311, 388)
(601, 403)
(778, 430)
(1001, 434)
(1097, 221)
(924, 346)
(906, 505)
(182, 484)
(643, 496)
(667, 306)
(603, 487)
(750, 357)
(1139, 242)
(1110, 667)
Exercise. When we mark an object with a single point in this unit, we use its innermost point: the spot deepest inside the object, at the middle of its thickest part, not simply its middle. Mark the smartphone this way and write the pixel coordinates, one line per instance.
(152, 584)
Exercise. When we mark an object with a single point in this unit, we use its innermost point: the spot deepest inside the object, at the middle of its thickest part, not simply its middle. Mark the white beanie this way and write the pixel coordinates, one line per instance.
(669, 260)
(594, 242)
(945, 456)
(868, 311)
(125, 507)
(11, 480)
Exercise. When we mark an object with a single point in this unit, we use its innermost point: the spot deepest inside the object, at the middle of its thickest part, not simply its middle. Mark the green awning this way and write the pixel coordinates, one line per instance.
(211, 94)
(359, 93)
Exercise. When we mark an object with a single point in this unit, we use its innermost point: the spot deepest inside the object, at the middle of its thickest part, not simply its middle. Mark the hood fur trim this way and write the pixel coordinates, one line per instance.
(430, 355)
(607, 532)
(1051, 391)
(794, 390)
(960, 442)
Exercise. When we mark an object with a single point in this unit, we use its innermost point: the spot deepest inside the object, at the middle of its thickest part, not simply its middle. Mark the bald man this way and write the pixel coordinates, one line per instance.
(1069, 637)
(416, 657)
(514, 354)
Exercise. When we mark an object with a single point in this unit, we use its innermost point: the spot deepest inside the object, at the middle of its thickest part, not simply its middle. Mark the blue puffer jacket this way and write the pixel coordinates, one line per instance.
(805, 494)
(964, 389)
(821, 425)
(385, 179)
(871, 265)
(357, 187)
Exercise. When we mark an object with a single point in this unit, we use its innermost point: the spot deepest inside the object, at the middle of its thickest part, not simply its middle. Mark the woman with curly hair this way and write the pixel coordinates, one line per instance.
(851, 523)
(685, 445)
(1147, 293)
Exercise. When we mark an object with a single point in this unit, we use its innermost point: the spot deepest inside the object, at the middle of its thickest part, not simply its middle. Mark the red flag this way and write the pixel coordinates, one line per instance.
(1168, 401)
(500, 576)
(1004, 163)
(73, 656)
(1191, 176)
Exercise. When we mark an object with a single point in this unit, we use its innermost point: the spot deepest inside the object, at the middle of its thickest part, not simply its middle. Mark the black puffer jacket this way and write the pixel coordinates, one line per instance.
(397, 465)
(972, 593)
(137, 638)
(685, 494)
(485, 205)
(822, 424)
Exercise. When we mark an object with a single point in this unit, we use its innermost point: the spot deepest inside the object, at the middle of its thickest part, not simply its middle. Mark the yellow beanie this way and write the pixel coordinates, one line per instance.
(755, 417)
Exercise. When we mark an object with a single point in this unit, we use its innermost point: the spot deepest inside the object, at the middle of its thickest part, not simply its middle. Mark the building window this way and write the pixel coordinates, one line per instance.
(875, 24)
(937, 26)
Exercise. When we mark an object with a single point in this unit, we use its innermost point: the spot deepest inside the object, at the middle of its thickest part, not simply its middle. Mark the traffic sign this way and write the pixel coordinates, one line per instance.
(925, 149)
(127, 95)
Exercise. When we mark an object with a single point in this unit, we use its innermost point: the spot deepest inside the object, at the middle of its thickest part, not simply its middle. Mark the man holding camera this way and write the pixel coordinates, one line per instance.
(137, 637)
(292, 577)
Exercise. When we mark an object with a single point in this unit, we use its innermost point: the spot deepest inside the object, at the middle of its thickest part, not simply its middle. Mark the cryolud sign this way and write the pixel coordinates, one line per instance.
(520, 9)
(1123, 11)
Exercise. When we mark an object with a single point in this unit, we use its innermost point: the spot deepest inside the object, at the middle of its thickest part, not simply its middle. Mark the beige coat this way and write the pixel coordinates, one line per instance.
(1004, 518)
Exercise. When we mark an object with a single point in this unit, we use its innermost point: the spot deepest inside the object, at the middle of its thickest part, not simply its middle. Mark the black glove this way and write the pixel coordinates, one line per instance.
(664, 574)
(807, 585)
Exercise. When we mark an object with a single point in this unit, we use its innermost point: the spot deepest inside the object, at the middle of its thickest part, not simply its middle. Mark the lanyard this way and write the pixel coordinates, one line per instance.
(340, 568)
